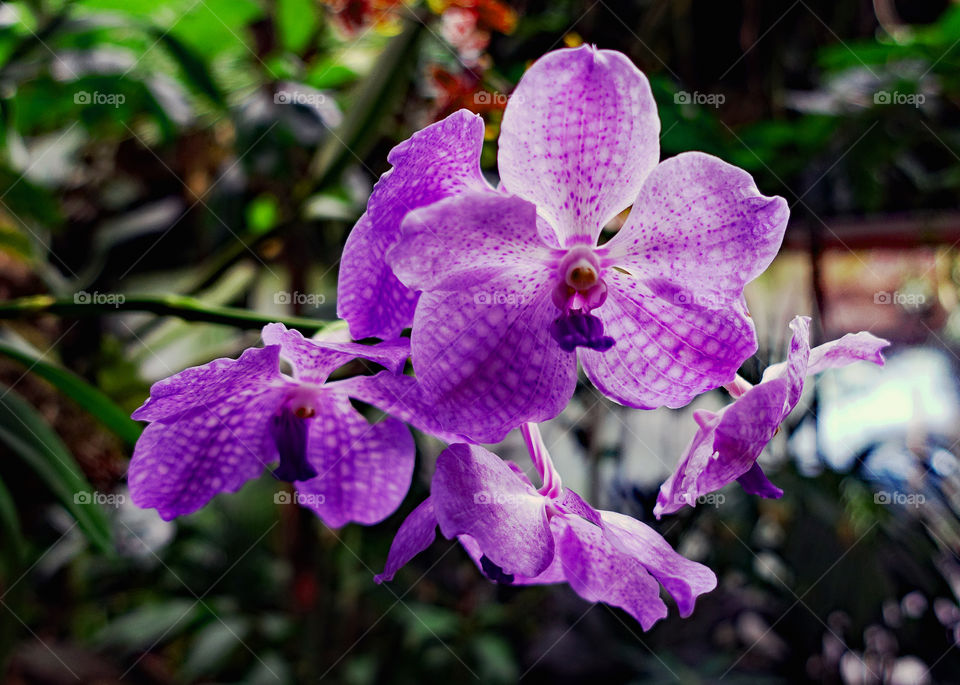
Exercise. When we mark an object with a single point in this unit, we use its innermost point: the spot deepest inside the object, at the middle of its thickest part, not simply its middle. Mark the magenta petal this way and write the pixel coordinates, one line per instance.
(314, 360)
(437, 162)
(683, 488)
(578, 138)
(702, 225)
(685, 580)
(199, 386)
(550, 575)
(755, 482)
(363, 470)
(850, 348)
(467, 239)
(475, 493)
(599, 572)
(180, 463)
(416, 533)
(399, 396)
(486, 359)
(665, 353)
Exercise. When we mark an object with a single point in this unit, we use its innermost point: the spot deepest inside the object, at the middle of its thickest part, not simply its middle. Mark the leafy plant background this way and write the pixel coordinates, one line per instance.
(162, 195)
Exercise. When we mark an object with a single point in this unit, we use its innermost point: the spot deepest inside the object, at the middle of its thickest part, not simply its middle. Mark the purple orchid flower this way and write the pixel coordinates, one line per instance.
(506, 287)
(518, 534)
(216, 426)
(729, 442)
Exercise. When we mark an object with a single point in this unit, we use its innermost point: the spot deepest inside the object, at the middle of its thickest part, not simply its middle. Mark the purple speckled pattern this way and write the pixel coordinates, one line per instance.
(211, 431)
(363, 470)
(532, 538)
(314, 360)
(578, 138)
(728, 443)
(513, 286)
(213, 446)
(437, 162)
(701, 225)
(665, 353)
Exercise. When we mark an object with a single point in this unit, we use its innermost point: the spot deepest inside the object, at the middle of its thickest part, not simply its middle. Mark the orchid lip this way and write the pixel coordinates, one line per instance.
(290, 429)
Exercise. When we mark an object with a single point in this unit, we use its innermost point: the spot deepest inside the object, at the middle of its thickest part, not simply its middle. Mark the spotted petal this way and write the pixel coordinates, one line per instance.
(475, 493)
(314, 360)
(180, 463)
(437, 162)
(205, 385)
(363, 470)
(578, 138)
(702, 226)
(485, 356)
(665, 352)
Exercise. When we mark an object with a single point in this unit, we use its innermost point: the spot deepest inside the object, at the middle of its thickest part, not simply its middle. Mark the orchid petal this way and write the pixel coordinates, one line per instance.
(416, 533)
(180, 463)
(702, 225)
(665, 353)
(578, 138)
(314, 360)
(363, 470)
(437, 162)
(475, 493)
(199, 386)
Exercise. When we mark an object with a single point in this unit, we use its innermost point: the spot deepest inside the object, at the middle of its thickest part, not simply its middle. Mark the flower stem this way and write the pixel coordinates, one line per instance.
(738, 386)
(552, 487)
(181, 306)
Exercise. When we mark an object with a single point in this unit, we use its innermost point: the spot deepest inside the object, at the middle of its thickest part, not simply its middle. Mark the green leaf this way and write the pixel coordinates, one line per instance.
(147, 625)
(10, 526)
(213, 646)
(25, 432)
(194, 68)
(78, 390)
(297, 21)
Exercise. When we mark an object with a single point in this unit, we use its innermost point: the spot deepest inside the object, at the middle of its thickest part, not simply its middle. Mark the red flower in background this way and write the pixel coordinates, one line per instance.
(353, 15)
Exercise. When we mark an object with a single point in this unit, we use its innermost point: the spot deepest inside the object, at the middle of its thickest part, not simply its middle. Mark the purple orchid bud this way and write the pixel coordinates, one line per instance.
(728, 443)
(510, 286)
(518, 534)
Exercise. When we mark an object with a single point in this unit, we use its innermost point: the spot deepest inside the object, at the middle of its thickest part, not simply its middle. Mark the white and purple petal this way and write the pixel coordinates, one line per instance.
(437, 162)
(475, 493)
(485, 356)
(314, 360)
(665, 353)
(701, 226)
(363, 470)
(578, 138)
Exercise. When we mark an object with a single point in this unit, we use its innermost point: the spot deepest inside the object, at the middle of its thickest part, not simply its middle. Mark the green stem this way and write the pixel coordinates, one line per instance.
(181, 306)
